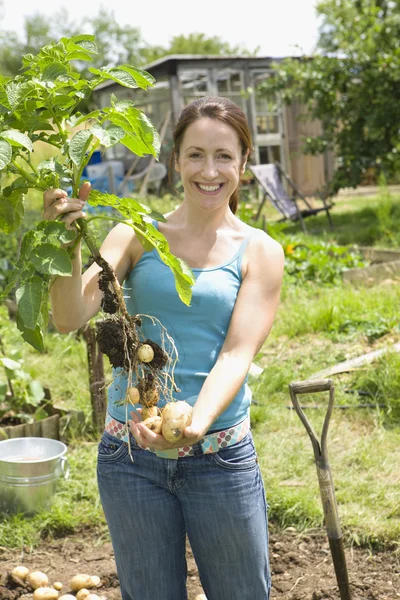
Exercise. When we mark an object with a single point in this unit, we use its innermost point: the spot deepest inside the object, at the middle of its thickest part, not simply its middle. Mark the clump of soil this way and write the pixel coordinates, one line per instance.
(118, 340)
(118, 337)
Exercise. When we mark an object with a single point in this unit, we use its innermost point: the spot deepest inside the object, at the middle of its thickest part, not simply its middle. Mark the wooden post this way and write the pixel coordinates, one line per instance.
(96, 378)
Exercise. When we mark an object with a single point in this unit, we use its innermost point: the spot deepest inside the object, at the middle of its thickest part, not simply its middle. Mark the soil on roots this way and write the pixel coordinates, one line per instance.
(160, 357)
(117, 339)
(109, 302)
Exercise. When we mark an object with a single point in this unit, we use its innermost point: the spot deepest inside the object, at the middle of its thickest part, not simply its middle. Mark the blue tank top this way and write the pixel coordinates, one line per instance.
(198, 330)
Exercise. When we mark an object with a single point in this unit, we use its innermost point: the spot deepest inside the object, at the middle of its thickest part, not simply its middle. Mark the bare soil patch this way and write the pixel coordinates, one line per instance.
(301, 567)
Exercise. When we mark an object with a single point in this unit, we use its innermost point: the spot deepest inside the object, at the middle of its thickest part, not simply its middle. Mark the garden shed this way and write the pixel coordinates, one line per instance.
(276, 130)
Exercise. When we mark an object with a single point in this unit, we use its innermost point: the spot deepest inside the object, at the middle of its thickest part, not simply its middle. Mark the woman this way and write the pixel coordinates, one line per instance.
(207, 486)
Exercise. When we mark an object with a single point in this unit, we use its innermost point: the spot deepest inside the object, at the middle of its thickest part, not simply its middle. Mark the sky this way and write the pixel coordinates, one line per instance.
(277, 27)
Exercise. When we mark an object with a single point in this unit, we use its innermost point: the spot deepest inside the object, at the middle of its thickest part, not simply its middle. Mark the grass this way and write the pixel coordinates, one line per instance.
(316, 326)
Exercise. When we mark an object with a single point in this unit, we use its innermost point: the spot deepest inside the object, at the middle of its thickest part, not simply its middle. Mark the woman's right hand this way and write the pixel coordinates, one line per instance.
(57, 203)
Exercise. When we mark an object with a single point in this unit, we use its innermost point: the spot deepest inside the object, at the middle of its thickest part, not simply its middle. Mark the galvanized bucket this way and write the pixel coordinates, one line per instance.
(29, 471)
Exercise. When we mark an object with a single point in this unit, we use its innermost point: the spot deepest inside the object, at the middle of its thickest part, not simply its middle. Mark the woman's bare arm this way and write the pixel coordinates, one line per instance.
(76, 299)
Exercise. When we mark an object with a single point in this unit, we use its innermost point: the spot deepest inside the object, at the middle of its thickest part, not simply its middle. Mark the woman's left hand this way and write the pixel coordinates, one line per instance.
(146, 438)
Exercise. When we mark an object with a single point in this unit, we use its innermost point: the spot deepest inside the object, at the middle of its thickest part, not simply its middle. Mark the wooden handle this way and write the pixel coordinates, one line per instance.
(311, 386)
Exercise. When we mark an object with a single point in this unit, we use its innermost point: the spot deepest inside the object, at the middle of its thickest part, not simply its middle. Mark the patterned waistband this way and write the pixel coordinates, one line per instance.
(211, 442)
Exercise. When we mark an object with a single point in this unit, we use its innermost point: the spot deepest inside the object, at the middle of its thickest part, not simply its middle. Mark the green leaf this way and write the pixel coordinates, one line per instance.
(11, 365)
(150, 237)
(3, 392)
(58, 230)
(36, 392)
(53, 71)
(126, 76)
(108, 136)
(11, 211)
(142, 78)
(17, 138)
(141, 135)
(85, 41)
(78, 146)
(51, 260)
(18, 91)
(73, 122)
(78, 55)
(29, 299)
(5, 154)
(27, 244)
(34, 337)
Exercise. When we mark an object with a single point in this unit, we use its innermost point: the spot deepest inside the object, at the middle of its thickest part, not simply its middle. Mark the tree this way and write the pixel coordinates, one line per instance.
(195, 43)
(116, 43)
(352, 85)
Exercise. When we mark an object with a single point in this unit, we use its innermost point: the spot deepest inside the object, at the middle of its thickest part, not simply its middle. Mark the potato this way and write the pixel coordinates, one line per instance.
(45, 593)
(96, 581)
(37, 579)
(133, 395)
(81, 595)
(19, 573)
(57, 585)
(80, 581)
(151, 397)
(67, 597)
(154, 423)
(93, 597)
(201, 597)
(175, 417)
(149, 411)
(145, 353)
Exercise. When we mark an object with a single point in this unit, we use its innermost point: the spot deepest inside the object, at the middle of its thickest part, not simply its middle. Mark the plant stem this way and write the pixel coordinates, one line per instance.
(31, 178)
(81, 225)
(83, 164)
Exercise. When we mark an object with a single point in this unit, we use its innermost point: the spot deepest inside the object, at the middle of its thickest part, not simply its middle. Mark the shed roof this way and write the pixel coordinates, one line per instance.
(168, 65)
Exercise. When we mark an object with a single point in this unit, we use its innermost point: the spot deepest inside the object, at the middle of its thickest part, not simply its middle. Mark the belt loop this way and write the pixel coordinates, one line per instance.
(198, 449)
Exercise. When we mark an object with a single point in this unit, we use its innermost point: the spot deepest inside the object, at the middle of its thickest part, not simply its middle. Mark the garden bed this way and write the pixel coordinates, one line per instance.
(384, 265)
(301, 567)
(59, 425)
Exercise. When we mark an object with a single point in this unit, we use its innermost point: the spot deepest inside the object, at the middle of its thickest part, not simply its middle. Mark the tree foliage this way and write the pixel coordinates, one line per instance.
(116, 43)
(195, 43)
(352, 85)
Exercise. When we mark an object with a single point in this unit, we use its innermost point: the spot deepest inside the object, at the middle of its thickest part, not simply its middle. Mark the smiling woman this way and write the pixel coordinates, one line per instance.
(207, 485)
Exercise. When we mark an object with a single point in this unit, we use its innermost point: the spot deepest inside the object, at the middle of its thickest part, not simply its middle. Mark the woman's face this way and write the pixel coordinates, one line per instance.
(210, 163)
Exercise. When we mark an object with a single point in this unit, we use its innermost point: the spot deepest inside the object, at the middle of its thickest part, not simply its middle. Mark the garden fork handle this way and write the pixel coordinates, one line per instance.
(329, 505)
(313, 386)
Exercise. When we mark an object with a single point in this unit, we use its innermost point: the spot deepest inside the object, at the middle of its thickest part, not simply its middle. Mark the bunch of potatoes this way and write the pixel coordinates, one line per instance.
(80, 584)
(169, 421)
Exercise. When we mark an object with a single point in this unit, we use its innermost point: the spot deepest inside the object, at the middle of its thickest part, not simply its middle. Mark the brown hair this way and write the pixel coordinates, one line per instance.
(220, 109)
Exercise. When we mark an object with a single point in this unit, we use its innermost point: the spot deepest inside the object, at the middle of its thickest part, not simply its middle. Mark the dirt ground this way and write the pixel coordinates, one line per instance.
(301, 568)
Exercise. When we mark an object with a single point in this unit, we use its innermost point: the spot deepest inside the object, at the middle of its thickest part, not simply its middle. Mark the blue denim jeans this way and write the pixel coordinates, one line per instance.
(217, 500)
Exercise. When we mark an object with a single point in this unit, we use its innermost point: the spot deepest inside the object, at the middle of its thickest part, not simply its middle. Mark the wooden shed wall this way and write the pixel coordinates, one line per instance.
(310, 173)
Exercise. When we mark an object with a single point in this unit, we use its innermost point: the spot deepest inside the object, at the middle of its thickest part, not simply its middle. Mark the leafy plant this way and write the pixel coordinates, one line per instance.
(322, 262)
(42, 104)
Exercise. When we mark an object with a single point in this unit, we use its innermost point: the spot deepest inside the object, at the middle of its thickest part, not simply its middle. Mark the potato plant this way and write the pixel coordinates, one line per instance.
(42, 103)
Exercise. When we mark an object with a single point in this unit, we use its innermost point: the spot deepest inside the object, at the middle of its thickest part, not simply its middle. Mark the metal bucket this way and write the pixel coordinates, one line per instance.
(29, 471)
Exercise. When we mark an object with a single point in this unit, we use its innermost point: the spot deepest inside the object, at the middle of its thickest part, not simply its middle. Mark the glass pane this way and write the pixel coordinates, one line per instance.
(261, 124)
(275, 151)
(222, 85)
(263, 153)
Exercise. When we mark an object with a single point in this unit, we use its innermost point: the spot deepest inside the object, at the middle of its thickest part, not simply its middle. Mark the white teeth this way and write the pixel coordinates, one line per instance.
(208, 188)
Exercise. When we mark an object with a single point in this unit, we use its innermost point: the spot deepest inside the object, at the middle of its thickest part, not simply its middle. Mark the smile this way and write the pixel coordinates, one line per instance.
(209, 188)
